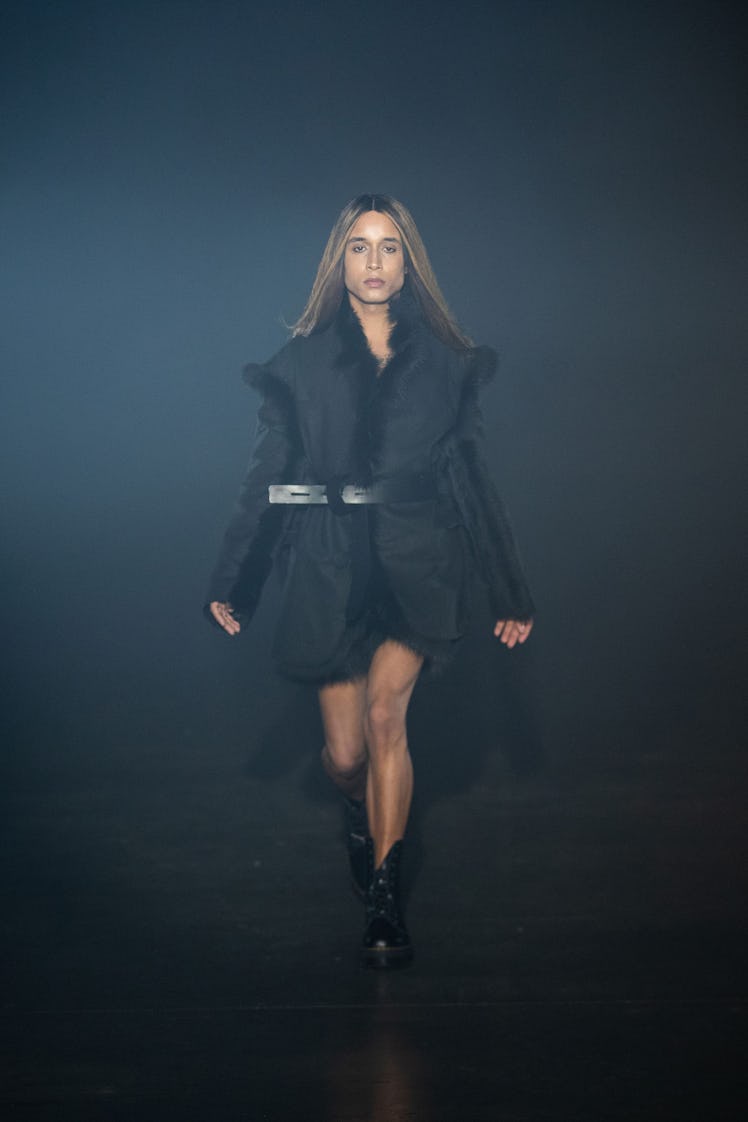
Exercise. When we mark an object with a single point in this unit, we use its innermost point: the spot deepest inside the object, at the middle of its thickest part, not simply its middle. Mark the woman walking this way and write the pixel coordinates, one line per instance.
(368, 487)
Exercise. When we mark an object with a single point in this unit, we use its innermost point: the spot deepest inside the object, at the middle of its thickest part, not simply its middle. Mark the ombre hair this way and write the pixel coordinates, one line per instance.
(328, 288)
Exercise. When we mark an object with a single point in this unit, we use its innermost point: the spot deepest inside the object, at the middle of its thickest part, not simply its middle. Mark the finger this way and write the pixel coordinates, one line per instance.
(515, 632)
(524, 630)
(506, 631)
(223, 617)
(512, 631)
(519, 632)
(230, 622)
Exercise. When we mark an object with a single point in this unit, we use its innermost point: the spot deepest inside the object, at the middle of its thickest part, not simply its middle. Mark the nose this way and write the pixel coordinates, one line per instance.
(374, 261)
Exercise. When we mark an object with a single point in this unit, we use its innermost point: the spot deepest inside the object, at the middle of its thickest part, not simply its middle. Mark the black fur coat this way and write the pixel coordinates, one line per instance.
(327, 415)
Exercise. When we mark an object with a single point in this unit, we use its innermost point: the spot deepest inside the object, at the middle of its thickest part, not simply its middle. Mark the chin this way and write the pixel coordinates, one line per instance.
(370, 297)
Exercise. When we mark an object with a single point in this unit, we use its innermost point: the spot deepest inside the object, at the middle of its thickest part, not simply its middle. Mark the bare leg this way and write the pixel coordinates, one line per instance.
(389, 686)
(365, 719)
(345, 759)
(365, 732)
(344, 755)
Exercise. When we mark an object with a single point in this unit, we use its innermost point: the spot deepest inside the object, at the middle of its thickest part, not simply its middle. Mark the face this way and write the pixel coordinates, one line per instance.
(374, 260)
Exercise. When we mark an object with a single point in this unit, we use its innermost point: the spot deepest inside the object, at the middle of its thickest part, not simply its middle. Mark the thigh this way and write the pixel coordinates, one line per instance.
(392, 675)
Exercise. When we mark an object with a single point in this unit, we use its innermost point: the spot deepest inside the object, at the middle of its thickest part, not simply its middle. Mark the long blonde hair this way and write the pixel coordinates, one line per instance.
(328, 288)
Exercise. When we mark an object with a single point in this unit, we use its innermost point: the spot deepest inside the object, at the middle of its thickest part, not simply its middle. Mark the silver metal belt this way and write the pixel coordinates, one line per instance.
(416, 487)
(317, 493)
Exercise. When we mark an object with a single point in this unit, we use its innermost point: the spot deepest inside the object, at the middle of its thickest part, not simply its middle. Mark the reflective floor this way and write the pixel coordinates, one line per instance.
(181, 941)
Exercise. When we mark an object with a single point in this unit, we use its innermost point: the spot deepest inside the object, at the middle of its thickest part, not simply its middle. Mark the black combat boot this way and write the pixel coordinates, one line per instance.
(356, 832)
(386, 941)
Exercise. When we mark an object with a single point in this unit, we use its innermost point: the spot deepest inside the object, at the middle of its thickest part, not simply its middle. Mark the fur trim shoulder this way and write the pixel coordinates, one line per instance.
(261, 376)
(274, 382)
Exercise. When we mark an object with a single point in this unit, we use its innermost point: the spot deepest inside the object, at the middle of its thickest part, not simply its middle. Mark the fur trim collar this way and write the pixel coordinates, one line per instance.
(373, 389)
(408, 339)
(375, 393)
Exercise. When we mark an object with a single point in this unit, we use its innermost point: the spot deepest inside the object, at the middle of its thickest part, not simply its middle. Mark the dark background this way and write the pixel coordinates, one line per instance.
(170, 172)
(174, 917)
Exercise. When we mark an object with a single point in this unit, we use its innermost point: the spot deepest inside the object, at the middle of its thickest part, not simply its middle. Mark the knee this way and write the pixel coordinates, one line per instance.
(385, 724)
(343, 760)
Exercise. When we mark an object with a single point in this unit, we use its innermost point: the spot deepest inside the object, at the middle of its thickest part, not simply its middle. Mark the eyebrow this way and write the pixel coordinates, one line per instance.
(358, 238)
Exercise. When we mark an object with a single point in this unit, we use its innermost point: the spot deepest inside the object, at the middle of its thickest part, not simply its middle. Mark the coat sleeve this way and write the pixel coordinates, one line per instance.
(246, 554)
(482, 511)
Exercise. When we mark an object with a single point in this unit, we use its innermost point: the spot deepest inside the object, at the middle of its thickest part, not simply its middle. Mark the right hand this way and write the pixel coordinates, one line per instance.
(223, 615)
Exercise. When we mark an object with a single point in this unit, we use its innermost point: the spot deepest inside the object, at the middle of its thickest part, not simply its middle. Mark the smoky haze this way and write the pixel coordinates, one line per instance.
(170, 173)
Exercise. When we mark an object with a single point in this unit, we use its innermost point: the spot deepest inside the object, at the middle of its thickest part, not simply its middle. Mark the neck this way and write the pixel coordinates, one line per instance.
(376, 326)
(370, 315)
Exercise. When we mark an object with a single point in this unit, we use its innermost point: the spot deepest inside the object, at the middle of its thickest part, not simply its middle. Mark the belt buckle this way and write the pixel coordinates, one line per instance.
(336, 495)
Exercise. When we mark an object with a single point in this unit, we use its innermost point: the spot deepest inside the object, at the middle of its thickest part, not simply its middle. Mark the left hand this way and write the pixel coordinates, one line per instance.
(512, 631)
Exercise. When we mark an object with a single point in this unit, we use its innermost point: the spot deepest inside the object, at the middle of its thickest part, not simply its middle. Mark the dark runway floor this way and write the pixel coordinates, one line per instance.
(181, 942)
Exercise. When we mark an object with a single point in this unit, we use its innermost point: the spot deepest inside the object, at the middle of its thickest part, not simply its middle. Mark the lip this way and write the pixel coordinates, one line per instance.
(374, 282)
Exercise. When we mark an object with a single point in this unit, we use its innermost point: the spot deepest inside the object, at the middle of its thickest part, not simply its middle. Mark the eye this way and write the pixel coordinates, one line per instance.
(358, 248)
(390, 248)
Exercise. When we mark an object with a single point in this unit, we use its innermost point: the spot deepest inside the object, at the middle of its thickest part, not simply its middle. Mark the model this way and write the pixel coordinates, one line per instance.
(368, 488)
